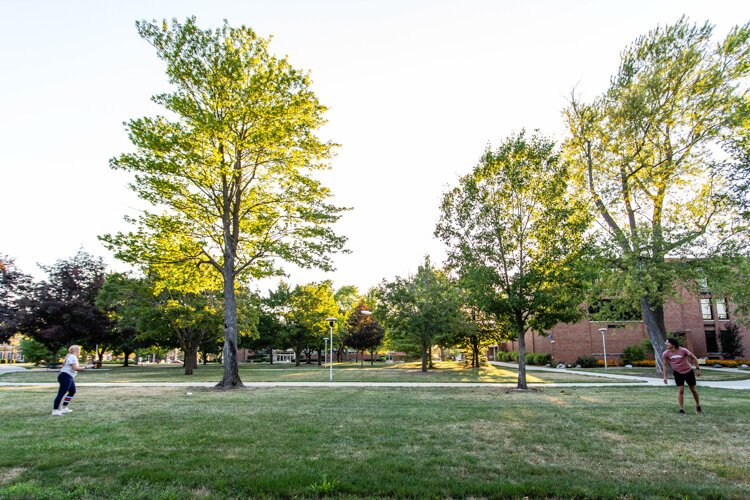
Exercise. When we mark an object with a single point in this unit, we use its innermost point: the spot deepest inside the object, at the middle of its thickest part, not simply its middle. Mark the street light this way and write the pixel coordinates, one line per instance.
(603, 331)
(331, 321)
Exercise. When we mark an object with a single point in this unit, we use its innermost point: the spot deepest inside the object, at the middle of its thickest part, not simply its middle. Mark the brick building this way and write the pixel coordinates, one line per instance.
(697, 319)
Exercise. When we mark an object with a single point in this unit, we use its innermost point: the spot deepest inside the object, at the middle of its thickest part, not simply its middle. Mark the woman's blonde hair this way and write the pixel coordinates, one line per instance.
(73, 348)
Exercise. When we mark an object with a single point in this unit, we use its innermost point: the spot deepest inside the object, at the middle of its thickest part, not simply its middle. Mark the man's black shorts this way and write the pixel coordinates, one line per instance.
(682, 378)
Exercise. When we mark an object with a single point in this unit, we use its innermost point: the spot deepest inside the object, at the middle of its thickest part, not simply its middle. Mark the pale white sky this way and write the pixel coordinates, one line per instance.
(416, 90)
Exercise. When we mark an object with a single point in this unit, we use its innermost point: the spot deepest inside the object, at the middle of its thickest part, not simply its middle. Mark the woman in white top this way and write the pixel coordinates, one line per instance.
(66, 378)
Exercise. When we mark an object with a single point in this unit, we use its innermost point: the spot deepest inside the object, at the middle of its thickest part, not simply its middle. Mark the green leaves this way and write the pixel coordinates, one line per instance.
(232, 173)
(515, 235)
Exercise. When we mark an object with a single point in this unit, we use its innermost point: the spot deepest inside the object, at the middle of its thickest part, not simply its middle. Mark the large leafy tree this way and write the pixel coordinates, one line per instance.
(418, 309)
(14, 285)
(230, 171)
(648, 153)
(515, 237)
(62, 311)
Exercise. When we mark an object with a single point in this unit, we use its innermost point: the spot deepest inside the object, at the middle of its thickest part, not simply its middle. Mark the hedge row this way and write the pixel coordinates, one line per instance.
(538, 358)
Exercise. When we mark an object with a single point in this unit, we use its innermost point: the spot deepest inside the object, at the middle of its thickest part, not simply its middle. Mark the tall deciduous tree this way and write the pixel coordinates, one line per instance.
(515, 237)
(62, 311)
(648, 153)
(14, 286)
(418, 309)
(231, 169)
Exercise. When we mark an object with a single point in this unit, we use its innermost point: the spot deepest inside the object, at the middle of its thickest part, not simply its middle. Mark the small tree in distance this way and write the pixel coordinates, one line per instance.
(364, 333)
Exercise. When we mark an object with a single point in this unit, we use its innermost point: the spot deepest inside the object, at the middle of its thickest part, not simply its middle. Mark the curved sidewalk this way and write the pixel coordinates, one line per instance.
(626, 381)
(640, 379)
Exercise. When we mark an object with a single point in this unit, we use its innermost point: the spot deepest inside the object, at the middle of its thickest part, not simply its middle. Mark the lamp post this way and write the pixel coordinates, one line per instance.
(331, 321)
(603, 331)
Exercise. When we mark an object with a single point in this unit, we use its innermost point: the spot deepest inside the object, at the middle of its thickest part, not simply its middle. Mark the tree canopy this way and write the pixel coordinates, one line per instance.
(418, 310)
(230, 170)
(649, 154)
(515, 237)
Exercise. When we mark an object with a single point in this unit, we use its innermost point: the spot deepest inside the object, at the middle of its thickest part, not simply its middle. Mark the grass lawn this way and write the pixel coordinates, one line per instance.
(345, 372)
(706, 374)
(352, 442)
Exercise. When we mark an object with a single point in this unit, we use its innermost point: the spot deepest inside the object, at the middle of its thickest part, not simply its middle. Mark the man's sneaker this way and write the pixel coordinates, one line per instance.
(65, 409)
(682, 412)
(698, 409)
(57, 413)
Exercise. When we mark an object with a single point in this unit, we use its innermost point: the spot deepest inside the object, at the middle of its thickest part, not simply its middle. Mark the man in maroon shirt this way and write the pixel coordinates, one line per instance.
(679, 360)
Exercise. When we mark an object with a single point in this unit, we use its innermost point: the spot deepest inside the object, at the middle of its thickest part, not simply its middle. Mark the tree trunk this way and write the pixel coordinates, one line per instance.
(320, 352)
(522, 360)
(372, 358)
(655, 334)
(127, 357)
(191, 359)
(424, 358)
(296, 357)
(231, 377)
(429, 358)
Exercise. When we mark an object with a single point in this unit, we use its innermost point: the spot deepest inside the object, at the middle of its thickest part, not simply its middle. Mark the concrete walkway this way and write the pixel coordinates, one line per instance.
(626, 381)
(640, 379)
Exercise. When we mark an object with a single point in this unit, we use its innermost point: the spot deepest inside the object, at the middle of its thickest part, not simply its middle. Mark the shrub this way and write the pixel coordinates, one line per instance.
(610, 362)
(633, 353)
(36, 352)
(644, 362)
(507, 356)
(586, 361)
(540, 358)
(729, 363)
(731, 342)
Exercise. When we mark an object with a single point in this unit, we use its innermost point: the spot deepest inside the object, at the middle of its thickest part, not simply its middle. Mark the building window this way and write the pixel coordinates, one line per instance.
(711, 345)
(721, 309)
(703, 283)
(706, 309)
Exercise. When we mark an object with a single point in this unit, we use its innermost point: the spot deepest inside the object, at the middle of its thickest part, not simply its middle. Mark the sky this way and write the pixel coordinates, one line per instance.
(416, 91)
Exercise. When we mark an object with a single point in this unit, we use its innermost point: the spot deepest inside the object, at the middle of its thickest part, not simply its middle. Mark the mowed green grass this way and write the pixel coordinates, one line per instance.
(354, 442)
(344, 372)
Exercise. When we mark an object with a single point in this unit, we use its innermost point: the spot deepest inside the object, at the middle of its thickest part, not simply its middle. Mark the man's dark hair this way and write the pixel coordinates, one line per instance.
(673, 341)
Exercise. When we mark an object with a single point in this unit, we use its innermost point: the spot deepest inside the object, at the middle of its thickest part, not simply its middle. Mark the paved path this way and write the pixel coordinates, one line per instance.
(640, 379)
(626, 381)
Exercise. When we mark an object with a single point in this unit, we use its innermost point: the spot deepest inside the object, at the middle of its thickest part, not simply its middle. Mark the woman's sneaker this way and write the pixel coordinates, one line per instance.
(57, 413)
(698, 409)
(682, 413)
(65, 409)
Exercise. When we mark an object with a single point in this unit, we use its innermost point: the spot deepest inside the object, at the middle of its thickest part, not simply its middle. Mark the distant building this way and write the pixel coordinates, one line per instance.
(697, 320)
(10, 352)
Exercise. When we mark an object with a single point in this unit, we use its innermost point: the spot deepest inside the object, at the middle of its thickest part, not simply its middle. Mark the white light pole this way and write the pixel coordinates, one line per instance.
(331, 321)
(603, 331)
